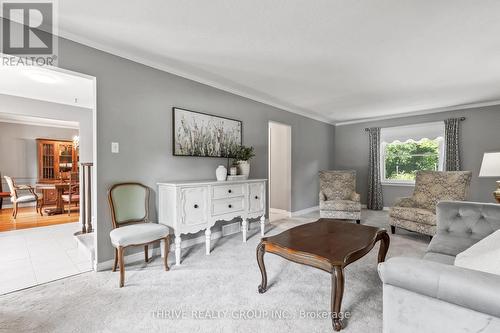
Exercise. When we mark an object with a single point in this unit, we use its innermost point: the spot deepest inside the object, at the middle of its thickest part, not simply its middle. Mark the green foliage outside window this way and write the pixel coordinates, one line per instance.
(404, 159)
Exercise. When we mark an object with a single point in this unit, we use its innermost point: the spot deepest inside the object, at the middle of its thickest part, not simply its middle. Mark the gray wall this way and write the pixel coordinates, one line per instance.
(18, 144)
(41, 109)
(134, 108)
(479, 133)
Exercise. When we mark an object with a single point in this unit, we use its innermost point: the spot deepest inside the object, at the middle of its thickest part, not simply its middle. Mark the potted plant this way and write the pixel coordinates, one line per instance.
(242, 155)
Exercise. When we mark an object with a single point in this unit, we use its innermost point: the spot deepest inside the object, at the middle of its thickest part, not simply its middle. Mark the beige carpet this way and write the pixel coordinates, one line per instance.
(216, 293)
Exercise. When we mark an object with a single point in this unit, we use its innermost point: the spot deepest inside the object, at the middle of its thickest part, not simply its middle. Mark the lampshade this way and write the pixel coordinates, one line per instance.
(491, 165)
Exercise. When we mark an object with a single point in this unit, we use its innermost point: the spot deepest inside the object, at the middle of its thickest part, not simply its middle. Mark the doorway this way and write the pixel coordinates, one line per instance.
(54, 245)
(280, 170)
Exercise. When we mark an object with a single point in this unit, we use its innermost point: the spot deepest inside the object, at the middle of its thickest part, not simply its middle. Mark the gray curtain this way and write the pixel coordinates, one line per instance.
(375, 198)
(452, 142)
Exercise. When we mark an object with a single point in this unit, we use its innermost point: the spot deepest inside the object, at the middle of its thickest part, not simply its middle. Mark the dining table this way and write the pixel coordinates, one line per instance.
(60, 187)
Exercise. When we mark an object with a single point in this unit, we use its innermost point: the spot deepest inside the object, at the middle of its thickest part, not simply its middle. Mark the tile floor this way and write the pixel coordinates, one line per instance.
(37, 255)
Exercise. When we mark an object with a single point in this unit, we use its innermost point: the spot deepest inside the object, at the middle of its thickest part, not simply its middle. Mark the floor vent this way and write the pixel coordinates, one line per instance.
(230, 229)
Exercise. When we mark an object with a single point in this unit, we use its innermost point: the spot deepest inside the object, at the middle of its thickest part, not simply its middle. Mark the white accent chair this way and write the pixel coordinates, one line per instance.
(129, 203)
(16, 199)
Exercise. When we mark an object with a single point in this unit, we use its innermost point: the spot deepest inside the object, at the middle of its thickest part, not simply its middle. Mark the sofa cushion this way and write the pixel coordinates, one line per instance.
(139, 233)
(483, 256)
(434, 186)
(450, 244)
(419, 215)
(440, 258)
(341, 205)
(464, 287)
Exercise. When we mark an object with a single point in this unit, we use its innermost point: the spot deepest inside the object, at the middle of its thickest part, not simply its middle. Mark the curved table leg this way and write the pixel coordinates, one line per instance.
(384, 246)
(261, 250)
(337, 294)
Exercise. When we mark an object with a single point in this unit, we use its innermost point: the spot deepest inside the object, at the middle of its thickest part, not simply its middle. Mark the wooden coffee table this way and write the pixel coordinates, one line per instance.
(327, 244)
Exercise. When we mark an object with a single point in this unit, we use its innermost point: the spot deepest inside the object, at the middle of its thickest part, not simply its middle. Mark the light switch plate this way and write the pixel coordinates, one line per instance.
(115, 147)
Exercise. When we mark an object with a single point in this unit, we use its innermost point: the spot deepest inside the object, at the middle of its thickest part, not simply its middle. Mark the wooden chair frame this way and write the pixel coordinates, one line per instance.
(119, 252)
(14, 195)
(74, 186)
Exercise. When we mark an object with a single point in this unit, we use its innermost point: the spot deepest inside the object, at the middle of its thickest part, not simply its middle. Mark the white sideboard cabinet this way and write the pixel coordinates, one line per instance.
(191, 206)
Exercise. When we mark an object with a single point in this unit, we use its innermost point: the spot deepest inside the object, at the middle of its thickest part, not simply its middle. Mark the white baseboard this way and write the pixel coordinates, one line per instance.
(106, 265)
(280, 211)
(305, 211)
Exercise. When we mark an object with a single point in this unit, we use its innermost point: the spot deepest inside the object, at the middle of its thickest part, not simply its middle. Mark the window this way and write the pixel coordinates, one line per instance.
(407, 149)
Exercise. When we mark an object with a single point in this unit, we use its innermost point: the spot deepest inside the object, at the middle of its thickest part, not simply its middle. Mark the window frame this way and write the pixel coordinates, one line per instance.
(401, 182)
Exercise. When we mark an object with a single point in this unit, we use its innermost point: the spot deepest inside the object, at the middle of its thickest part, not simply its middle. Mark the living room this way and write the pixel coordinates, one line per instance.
(374, 98)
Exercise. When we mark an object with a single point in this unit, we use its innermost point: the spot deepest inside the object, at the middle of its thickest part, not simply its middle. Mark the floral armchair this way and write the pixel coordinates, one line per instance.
(337, 197)
(418, 212)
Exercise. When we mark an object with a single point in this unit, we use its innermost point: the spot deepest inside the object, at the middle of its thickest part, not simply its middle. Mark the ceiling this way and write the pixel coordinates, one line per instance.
(49, 85)
(331, 60)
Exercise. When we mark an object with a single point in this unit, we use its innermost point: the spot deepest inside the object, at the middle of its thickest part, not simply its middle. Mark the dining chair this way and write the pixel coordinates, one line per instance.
(73, 193)
(3, 194)
(129, 204)
(16, 199)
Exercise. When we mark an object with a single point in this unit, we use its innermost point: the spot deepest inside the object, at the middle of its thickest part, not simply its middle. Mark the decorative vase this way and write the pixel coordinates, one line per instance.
(221, 173)
(233, 171)
(244, 168)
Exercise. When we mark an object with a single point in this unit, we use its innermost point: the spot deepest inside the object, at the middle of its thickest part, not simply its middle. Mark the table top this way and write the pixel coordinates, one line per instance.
(209, 182)
(334, 241)
(49, 186)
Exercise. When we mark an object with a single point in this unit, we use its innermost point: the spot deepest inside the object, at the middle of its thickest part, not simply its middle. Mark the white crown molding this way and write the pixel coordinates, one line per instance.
(421, 112)
(186, 75)
(34, 121)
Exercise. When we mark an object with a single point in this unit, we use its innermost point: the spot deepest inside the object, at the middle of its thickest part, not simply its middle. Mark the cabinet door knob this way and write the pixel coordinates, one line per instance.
(195, 206)
(229, 191)
(230, 206)
(256, 197)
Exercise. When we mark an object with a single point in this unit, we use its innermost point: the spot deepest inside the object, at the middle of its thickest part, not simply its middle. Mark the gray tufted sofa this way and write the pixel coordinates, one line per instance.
(430, 294)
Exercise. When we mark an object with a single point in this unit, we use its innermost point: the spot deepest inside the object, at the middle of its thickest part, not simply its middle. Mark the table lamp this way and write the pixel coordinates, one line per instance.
(491, 168)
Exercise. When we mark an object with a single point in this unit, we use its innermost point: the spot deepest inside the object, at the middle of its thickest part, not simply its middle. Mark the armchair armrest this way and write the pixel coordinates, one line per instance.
(322, 196)
(355, 197)
(24, 187)
(464, 287)
(405, 202)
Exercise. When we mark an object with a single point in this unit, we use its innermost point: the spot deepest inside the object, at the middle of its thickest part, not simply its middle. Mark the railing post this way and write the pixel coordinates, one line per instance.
(89, 198)
(83, 190)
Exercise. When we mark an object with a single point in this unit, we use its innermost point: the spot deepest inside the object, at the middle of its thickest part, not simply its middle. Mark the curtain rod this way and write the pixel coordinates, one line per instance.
(461, 119)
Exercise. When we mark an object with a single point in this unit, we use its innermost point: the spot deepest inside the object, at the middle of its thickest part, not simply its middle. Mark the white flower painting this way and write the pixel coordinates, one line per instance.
(200, 134)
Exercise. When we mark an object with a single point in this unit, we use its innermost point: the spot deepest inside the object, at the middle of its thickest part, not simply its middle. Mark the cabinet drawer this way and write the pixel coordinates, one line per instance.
(256, 197)
(194, 205)
(49, 197)
(225, 206)
(228, 191)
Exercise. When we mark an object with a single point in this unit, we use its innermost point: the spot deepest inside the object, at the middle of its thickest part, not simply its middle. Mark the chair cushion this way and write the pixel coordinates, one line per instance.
(74, 197)
(138, 234)
(419, 215)
(26, 198)
(341, 205)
